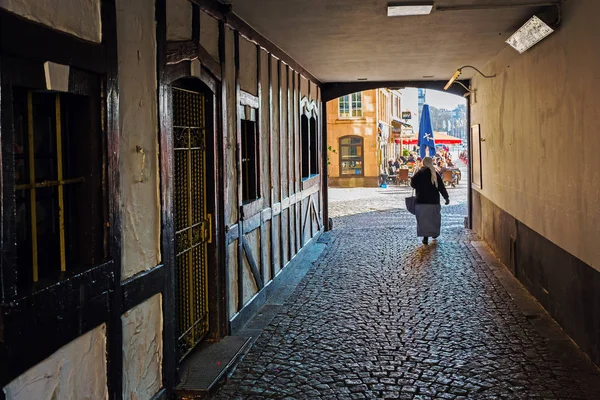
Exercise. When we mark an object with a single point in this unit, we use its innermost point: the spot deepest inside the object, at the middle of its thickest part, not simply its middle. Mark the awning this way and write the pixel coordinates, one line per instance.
(438, 137)
(400, 127)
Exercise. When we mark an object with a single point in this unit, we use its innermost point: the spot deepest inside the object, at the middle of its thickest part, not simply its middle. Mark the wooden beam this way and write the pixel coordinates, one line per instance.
(114, 326)
(259, 128)
(271, 169)
(181, 50)
(209, 62)
(291, 189)
(224, 13)
(224, 143)
(280, 177)
(253, 267)
(238, 169)
(324, 160)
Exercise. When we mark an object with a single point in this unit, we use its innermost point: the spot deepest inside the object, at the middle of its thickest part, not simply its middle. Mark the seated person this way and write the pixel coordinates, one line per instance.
(397, 163)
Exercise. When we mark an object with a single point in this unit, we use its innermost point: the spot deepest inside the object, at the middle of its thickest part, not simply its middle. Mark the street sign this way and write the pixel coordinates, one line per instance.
(406, 115)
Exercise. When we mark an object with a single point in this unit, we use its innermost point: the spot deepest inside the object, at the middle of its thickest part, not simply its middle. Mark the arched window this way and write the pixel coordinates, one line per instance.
(351, 156)
(310, 138)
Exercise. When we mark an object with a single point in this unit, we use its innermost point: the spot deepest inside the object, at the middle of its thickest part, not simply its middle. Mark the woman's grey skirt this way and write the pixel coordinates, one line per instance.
(429, 219)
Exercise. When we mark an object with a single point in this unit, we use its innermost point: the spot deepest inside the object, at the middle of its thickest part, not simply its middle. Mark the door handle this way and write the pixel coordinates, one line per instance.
(209, 219)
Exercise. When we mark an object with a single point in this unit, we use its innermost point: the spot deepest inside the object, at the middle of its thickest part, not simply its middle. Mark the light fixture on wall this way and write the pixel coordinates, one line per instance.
(405, 10)
(532, 32)
(457, 74)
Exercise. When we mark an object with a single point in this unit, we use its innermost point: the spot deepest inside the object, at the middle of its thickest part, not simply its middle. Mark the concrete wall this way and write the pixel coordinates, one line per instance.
(539, 205)
(76, 17)
(139, 126)
(540, 121)
(75, 371)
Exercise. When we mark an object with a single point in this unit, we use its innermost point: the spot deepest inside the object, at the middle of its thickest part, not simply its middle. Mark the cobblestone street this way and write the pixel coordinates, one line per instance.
(382, 316)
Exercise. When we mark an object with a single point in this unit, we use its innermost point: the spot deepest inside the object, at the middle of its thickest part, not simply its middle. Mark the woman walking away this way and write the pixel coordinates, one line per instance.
(428, 184)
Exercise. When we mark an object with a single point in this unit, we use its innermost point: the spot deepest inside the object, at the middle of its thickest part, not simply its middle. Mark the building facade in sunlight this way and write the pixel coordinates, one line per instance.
(362, 129)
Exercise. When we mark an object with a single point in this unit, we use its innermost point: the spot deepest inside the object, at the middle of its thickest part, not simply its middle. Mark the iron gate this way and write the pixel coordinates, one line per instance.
(192, 222)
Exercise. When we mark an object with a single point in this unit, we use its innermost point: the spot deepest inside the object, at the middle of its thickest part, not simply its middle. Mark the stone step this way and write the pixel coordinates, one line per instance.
(202, 371)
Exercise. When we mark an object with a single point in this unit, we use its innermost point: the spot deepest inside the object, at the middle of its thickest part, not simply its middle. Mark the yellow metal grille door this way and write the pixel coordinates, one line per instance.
(192, 225)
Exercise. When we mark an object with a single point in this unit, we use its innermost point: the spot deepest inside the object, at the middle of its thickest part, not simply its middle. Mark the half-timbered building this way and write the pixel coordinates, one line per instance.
(161, 164)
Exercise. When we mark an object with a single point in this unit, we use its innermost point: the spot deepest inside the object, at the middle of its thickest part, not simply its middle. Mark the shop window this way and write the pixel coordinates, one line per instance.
(250, 164)
(351, 156)
(61, 218)
(350, 106)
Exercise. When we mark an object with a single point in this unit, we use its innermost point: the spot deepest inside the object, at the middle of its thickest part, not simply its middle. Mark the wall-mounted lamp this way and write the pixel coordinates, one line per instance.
(532, 32)
(457, 74)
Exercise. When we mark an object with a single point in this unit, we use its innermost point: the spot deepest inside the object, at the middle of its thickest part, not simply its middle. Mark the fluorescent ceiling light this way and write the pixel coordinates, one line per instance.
(529, 34)
(404, 11)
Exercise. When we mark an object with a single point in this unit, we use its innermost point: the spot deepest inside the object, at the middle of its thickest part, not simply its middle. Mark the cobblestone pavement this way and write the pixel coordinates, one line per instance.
(382, 316)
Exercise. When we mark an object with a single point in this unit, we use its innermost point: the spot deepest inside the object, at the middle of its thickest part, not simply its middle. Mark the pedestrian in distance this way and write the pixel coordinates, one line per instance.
(428, 185)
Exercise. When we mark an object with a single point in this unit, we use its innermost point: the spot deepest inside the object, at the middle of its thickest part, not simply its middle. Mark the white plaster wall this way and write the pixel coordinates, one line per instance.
(77, 17)
(76, 371)
(248, 67)
(138, 118)
(250, 287)
(179, 20)
(209, 34)
(143, 350)
(540, 121)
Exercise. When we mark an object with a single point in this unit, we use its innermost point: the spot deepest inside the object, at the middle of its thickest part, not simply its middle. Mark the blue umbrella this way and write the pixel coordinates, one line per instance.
(426, 133)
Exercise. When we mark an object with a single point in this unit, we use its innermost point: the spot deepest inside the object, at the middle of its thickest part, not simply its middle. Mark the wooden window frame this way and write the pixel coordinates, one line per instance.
(310, 110)
(351, 107)
(80, 83)
(248, 109)
(362, 156)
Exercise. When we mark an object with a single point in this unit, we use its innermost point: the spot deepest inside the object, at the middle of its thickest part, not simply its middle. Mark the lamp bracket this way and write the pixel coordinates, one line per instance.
(480, 73)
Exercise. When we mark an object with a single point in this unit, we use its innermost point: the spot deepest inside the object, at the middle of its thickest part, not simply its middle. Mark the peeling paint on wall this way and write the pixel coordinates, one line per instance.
(75, 371)
(139, 124)
(77, 17)
(143, 349)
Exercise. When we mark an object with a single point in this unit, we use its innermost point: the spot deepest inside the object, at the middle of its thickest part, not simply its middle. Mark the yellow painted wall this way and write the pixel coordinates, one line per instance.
(365, 127)
(374, 111)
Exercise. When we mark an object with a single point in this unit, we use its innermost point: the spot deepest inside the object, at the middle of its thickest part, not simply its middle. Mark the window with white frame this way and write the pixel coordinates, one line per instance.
(350, 106)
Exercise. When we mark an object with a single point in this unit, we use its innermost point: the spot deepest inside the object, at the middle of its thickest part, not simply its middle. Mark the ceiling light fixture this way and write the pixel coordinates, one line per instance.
(532, 32)
(459, 71)
(406, 10)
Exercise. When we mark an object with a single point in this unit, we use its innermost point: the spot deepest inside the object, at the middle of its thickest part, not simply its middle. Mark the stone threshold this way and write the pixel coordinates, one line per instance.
(202, 371)
(559, 343)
